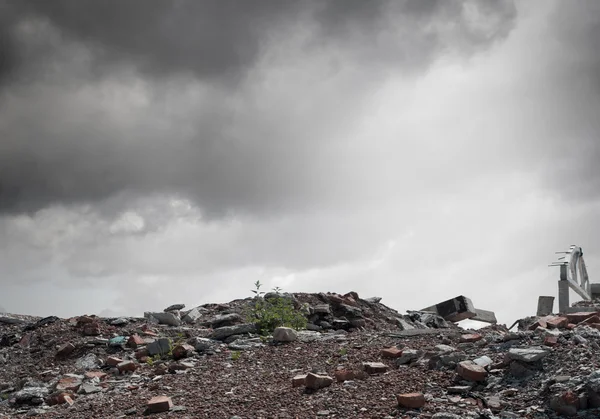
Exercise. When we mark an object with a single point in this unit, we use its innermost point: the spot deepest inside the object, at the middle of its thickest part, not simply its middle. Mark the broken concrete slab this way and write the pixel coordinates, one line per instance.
(461, 308)
(545, 305)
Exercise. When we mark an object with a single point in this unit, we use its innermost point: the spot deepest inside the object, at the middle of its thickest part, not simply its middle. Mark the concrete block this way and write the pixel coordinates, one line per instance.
(595, 290)
(455, 309)
(545, 305)
(485, 316)
(563, 296)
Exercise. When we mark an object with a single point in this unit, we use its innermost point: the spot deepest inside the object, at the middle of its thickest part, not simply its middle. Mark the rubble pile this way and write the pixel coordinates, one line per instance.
(357, 358)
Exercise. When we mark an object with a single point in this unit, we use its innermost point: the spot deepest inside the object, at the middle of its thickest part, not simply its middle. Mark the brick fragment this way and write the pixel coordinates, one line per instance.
(135, 340)
(539, 323)
(470, 338)
(344, 375)
(159, 404)
(411, 400)
(126, 366)
(577, 318)
(65, 350)
(551, 340)
(557, 322)
(392, 352)
(298, 380)
(113, 361)
(471, 371)
(182, 351)
(315, 382)
(96, 374)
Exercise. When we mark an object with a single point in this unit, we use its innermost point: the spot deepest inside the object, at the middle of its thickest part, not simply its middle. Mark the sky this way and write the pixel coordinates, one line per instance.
(154, 153)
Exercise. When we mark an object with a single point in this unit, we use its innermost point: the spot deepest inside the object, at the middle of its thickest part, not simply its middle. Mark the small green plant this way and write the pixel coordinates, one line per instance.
(275, 311)
(343, 351)
(235, 355)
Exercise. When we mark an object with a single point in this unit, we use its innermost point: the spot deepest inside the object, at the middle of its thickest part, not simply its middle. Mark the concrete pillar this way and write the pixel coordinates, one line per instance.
(545, 305)
(563, 296)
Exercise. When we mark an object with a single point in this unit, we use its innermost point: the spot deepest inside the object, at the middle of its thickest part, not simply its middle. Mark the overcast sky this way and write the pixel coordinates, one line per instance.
(158, 152)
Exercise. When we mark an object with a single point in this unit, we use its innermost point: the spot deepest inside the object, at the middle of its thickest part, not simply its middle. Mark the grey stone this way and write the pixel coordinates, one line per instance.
(341, 324)
(373, 300)
(408, 355)
(223, 332)
(325, 324)
(224, 320)
(88, 362)
(161, 346)
(403, 324)
(483, 361)
(174, 307)
(89, 388)
(284, 334)
(164, 318)
(531, 354)
(443, 415)
(202, 344)
(351, 310)
(313, 327)
(322, 309)
(458, 389)
(245, 344)
(31, 395)
(444, 349)
(121, 321)
(194, 314)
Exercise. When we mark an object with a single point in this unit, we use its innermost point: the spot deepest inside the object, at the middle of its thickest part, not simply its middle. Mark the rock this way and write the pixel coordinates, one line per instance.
(373, 300)
(159, 404)
(322, 309)
(121, 321)
(88, 362)
(565, 404)
(403, 324)
(557, 322)
(313, 327)
(31, 395)
(65, 350)
(182, 351)
(550, 341)
(224, 320)
(444, 415)
(520, 370)
(470, 338)
(471, 371)
(284, 334)
(315, 382)
(165, 318)
(531, 354)
(342, 324)
(117, 341)
(445, 349)
(392, 352)
(202, 344)
(408, 355)
(483, 361)
(89, 388)
(298, 380)
(494, 403)
(161, 346)
(374, 367)
(325, 324)
(226, 331)
(193, 315)
(174, 307)
(96, 374)
(459, 389)
(91, 329)
(411, 400)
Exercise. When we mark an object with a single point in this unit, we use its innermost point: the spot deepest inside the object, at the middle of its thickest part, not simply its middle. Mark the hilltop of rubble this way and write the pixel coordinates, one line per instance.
(353, 358)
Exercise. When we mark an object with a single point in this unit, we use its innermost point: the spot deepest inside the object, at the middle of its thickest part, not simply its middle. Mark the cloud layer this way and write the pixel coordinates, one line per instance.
(416, 150)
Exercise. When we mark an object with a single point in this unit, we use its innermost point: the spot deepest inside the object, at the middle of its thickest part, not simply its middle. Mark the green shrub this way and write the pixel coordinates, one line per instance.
(274, 312)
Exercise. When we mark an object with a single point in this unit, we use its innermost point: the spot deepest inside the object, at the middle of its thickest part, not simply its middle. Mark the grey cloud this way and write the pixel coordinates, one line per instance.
(235, 145)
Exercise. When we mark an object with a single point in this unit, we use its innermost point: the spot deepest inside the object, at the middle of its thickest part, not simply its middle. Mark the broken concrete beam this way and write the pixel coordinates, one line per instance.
(595, 290)
(545, 305)
(485, 316)
(454, 310)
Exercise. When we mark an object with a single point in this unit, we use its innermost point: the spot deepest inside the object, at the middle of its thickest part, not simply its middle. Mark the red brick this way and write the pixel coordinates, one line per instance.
(68, 383)
(411, 400)
(539, 323)
(298, 380)
(91, 329)
(315, 382)
(344, 375)
(141, 353)
(127, 366)
(65, 398)
(471, 371)
(470, 338)
(135, 341)
(392, 352)
(557, 322)
(96, 374)
(182, 351)
(577, 318)
(65, 350)
(571, 326)
(159, 404)
(113, 361)
(551, 340)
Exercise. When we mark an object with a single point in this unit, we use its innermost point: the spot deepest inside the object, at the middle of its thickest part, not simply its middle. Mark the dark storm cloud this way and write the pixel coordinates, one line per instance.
(61, 146)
